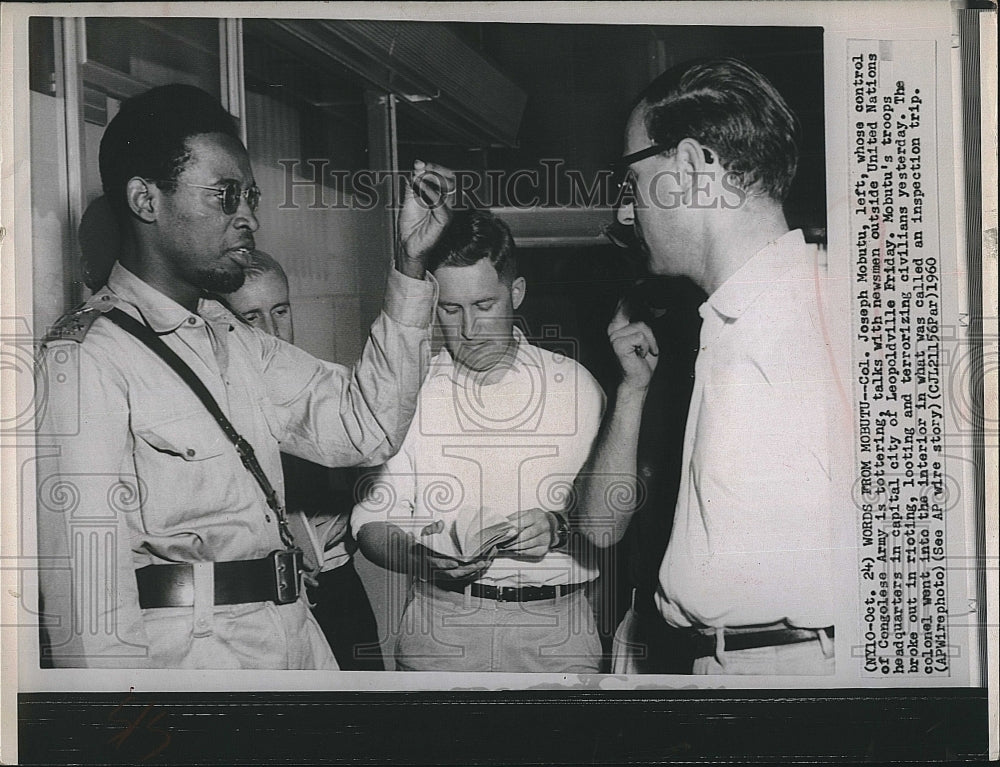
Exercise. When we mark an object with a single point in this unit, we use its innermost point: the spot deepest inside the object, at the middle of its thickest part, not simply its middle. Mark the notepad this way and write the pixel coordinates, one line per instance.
(479, 534)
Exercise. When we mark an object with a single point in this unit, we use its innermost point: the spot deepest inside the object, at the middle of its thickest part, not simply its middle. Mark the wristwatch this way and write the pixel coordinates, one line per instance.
(562, 531)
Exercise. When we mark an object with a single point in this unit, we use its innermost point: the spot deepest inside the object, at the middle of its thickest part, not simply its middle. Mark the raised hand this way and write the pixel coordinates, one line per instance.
(635, 346)
(425, 214)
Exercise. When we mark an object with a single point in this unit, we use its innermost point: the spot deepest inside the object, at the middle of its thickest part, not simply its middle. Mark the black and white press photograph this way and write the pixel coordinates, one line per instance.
(473, 351)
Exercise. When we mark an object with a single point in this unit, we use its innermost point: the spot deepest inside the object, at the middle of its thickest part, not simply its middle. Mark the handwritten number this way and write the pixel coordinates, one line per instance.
(164, 742)
(132, 725)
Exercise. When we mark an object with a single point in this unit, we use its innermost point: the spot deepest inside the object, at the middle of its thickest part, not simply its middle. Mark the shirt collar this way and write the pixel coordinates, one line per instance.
(764, 268)
(161, 313)
(213, 310)
(525, 355)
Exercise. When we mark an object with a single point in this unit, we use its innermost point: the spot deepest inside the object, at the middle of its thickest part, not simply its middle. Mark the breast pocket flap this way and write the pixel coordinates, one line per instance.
(193, 439)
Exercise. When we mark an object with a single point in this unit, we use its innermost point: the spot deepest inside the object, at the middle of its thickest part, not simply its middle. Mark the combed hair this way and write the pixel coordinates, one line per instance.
(260, 263)
(147, 138)
(263, 263)
(731, 108)
(471, 236)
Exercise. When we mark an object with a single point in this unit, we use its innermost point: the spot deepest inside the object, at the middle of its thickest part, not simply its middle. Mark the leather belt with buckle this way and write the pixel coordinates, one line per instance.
(274, 578)
(509, 593)
(705, 642)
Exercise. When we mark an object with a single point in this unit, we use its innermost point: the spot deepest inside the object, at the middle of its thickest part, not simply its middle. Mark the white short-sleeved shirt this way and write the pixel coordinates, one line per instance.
(492, 450)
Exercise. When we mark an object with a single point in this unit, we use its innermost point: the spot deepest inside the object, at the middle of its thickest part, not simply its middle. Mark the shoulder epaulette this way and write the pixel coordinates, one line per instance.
(74, 325)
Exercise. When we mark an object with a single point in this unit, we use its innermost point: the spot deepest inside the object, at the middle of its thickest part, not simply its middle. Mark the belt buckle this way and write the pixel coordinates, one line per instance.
(286, 565)
(500, 593)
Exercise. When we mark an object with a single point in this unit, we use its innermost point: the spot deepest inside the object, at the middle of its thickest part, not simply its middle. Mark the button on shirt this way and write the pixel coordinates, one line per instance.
(752, 536)
(141, 474)
(486, 451)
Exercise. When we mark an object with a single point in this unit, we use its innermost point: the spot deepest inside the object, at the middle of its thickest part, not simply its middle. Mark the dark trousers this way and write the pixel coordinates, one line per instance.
(345, 615)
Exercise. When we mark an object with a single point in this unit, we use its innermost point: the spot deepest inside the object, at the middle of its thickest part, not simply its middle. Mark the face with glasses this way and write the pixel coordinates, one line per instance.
(651, 202)
(231, 193)
(204, 227)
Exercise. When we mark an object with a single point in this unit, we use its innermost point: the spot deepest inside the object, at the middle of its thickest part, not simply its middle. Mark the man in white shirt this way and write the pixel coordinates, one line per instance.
(472, 505)
(710, 154)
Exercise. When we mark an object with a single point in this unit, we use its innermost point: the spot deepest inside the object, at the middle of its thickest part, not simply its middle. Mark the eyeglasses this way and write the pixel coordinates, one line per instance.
(230, 194)
(622, 171)
(642, 154)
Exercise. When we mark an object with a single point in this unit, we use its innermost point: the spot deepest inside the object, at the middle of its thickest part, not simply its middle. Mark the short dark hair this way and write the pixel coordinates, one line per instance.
(471, 236)
(148, 136)
(731, 108)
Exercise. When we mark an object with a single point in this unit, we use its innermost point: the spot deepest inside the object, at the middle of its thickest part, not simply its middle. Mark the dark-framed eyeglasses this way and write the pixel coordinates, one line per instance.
(649, 151)
(622, 171)
(230, 193)
(642, 154)
(624, 182)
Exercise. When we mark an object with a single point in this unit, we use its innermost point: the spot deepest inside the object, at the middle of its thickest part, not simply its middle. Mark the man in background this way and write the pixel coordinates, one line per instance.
(324, 496)
(472, 507)
(710, 154)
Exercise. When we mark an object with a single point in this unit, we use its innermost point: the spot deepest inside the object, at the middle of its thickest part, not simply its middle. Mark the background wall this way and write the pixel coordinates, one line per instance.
(337, 259)
(49, 222)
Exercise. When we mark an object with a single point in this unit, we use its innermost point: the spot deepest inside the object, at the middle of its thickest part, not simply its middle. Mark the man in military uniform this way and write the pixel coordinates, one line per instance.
(161, 538)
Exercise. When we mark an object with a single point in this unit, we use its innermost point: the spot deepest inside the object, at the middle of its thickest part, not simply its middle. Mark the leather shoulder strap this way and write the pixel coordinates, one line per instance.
(182, 369)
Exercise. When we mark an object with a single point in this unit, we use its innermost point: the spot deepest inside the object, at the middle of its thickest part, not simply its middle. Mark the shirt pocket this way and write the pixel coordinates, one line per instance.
(189, 478)
(190, 438)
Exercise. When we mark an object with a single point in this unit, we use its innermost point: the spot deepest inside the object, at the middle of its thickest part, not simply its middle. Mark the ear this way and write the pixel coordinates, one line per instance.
(517, 290)
(697, 167)
(141, 198)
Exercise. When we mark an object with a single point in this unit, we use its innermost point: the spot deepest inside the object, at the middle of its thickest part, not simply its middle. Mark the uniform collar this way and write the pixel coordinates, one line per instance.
(525, 355)
(161, 313)
(766, 267)
(213, 310)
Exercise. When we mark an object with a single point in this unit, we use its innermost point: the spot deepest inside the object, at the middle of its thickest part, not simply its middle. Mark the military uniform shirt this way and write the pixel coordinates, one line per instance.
(134, 471)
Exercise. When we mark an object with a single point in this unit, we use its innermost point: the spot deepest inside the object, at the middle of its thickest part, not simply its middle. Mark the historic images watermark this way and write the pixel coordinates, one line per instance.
(309, 184)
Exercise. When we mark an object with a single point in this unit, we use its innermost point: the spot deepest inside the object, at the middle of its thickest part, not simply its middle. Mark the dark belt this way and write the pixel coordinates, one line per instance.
(275, 578)
(509, 593)
(749, 638)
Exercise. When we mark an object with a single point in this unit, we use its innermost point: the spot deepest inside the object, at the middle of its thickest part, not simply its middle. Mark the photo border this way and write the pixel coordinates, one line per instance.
(596, 725)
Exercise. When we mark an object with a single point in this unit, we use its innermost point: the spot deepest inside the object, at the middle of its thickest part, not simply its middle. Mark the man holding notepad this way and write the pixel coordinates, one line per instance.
(473, 504)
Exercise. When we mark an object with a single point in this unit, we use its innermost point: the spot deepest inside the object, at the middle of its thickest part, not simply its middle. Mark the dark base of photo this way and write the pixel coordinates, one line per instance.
(526, 727)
